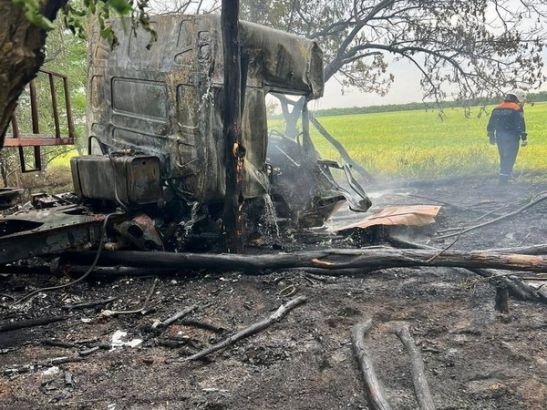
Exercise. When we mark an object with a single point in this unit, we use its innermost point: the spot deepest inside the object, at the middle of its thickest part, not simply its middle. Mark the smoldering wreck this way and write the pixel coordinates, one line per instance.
(150, 199)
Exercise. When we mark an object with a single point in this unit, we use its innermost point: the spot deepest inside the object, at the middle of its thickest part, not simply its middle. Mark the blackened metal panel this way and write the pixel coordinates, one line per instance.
(46, 232)
(133, 180)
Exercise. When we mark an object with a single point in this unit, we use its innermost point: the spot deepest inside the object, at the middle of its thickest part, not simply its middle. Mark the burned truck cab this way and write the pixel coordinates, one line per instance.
(155, 120)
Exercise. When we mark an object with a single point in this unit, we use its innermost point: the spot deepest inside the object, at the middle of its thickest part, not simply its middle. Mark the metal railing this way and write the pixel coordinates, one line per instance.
(36, 139)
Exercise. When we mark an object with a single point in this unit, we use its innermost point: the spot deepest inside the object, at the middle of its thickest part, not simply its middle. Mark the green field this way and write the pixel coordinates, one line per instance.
(420, 143)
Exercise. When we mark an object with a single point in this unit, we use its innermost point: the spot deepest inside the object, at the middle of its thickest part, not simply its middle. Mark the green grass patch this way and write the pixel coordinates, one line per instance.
(63, 160)
(419, 143)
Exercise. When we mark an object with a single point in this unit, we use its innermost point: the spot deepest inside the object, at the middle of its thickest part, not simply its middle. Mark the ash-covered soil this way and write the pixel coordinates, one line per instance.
(475, 358)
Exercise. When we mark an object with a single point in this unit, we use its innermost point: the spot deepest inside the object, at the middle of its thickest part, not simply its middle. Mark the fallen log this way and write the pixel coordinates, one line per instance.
(515, 287)
(375, 390)
(327, 259)
(279, 314)
(421, 387)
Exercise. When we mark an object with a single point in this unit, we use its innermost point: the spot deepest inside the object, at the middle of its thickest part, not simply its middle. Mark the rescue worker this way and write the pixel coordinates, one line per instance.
(506, 128)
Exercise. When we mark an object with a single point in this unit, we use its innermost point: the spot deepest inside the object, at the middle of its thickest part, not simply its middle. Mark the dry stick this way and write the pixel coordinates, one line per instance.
(41, 364)
(402, 243)
(30, 323)
(175, 317)
(539, 249)
(540, 197)
(251, 330)
(90, 304)
(421, 387)
(444, 250)
(118, 271)
(493, 212)
(375, 390)
(516, 288)
(58, 343)
(202, 325)
(131, 312)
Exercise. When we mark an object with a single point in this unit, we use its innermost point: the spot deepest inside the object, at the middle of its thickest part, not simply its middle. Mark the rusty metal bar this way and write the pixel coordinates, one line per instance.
(30, 140)
(34, 109)
(22, 159)
(35, 130)
(68, 108)
(54, 105)
(14, 128)
(37, 157)
(36, 139)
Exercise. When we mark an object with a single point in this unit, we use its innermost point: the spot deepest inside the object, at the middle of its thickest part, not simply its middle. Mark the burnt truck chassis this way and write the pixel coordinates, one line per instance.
(153, 178)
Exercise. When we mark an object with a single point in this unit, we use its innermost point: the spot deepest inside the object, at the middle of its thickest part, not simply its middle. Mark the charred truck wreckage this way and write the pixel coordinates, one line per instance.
(154, 176)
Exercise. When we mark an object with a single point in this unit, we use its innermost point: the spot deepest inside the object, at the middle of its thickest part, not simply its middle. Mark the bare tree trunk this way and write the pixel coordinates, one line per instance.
(21, 54)
(234, 151)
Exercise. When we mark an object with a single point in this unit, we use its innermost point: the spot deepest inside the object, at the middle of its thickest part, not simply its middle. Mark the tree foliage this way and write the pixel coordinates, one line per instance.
(463, 49)
(24, 30)
(76, 12)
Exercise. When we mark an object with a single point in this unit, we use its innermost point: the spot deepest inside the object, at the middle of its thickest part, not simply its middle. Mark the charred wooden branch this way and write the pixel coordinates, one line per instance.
(515, 287)
(279, 314)
(90, 351)
(58, 343)
(375, 390)
(89, 304)
(539, 198)
(421, 387)
(117, 270)
(21, 324)
(200, 324)
(143, 310)
(167, 322)
(502, 299)
(329, 259)
(539, 249)
(41, 364)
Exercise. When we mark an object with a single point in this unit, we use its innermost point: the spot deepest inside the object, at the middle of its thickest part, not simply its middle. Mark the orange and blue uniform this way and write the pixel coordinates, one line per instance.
(506, 127)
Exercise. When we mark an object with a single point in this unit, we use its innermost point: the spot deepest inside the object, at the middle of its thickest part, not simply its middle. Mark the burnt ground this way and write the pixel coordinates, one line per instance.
(474, 357)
